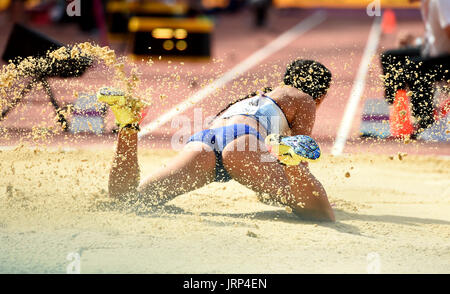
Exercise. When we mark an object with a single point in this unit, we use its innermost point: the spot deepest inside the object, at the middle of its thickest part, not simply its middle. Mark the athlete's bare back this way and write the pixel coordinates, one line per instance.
(299, 109)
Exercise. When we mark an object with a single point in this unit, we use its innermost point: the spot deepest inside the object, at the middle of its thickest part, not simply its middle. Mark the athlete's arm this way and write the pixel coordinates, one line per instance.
(310, 199)
(305, 116)
(304, 186)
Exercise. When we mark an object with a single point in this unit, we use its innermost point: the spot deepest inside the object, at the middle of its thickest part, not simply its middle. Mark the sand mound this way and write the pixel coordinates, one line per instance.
(52, 204)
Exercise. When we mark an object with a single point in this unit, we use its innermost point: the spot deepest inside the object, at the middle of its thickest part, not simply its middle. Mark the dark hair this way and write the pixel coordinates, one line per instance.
(309, 76)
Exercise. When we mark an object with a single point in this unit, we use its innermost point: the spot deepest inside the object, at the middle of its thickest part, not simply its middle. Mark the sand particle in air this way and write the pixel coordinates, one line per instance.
(251, 234)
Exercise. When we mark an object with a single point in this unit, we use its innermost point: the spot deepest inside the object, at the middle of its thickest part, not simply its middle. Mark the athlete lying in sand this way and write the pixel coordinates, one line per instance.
(234, 147)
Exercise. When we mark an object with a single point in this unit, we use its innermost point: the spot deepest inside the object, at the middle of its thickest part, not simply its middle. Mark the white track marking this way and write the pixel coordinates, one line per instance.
(358, 88)
(279, 43)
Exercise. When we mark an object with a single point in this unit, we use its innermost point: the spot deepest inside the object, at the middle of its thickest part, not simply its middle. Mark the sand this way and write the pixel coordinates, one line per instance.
(392, 217)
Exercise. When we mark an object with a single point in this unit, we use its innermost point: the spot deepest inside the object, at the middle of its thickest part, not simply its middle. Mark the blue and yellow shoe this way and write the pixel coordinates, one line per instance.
(292, 150)
(127, 110)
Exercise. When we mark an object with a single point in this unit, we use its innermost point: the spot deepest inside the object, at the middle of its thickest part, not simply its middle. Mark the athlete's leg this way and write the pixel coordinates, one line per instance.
(124, 173)
(255, 167)
(191, 169)
(293, 186)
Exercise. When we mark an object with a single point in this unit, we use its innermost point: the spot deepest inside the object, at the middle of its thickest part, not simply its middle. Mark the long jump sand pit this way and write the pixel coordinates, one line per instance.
(393, 211)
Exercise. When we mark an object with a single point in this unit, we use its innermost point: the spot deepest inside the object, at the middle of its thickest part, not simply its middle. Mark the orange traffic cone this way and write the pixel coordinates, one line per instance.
(389, 22)
(400, 117)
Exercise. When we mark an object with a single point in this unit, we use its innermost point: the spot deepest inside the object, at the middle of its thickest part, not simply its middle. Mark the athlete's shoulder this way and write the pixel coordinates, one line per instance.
(301, 101)
(291, 92)
(302, 109)
(285, 90)
(293, 99)
(305, 103)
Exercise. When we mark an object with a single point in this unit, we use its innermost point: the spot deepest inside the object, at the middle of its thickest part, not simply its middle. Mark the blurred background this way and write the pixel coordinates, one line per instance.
(179, 47)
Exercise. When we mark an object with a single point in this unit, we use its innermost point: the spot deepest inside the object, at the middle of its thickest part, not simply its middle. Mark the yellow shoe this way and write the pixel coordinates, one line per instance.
(292, 150)
(127, 110)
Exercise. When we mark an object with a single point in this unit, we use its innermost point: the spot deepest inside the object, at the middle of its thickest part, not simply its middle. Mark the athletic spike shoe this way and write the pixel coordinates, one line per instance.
(127, 110)
(292, 150)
